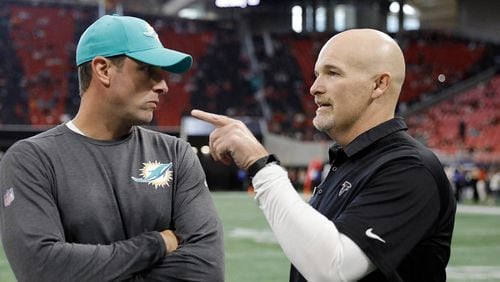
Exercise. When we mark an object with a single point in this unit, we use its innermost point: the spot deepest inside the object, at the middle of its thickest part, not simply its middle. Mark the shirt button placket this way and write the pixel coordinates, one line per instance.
(320, 190)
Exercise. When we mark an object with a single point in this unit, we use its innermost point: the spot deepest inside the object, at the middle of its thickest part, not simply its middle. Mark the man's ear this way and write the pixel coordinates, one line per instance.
(381, 84)
(100, 67)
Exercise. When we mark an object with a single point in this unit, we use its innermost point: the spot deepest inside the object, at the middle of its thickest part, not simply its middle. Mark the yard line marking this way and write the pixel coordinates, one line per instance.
(260, 236)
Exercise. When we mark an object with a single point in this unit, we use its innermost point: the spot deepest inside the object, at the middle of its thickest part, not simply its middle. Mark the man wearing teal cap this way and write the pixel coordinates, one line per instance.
(101, 198)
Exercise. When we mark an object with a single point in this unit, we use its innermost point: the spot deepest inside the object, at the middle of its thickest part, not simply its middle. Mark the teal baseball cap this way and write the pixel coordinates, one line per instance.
(113, 35)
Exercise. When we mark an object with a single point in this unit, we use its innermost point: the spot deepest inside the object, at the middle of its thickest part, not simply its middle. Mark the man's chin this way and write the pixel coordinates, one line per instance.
(143, 121)
(320, 125)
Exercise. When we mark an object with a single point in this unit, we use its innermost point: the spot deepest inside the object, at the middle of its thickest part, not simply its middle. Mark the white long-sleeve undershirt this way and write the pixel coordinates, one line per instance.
(310, 240)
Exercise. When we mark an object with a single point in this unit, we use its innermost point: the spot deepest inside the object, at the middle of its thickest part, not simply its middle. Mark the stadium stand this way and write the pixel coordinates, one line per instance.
(38, 80)
(12, 97)
(283, 89)
(42, 38)
(469, 123)
(430, 54)
(223, 82)
(193, 38)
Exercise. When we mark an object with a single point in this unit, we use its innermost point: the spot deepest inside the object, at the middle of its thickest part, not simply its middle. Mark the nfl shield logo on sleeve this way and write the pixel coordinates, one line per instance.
(8, 197)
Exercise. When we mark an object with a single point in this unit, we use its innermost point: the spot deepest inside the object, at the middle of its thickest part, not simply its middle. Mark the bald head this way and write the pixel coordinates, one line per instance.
(359, 75)
(369, 51)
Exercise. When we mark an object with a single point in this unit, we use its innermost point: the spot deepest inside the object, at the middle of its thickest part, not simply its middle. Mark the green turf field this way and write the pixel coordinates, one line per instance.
(252, 253)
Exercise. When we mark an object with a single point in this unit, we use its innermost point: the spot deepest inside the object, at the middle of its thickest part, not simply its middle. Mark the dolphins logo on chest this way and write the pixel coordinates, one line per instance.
(156, 174)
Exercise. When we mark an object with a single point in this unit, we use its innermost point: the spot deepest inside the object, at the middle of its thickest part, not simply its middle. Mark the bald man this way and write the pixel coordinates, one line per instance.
(385, 211)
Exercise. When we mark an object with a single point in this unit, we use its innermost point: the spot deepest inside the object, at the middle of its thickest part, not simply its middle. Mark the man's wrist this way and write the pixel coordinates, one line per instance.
(261, 163)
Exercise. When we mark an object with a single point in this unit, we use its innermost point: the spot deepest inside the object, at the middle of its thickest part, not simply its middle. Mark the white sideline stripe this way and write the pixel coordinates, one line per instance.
(473, 273)
(478, 209)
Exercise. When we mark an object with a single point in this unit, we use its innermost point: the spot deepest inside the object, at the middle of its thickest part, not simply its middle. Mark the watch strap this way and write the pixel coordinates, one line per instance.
(260, 163)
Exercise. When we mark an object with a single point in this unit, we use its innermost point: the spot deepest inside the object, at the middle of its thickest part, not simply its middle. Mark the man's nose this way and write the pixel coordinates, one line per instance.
(161, 87)
(317, 87)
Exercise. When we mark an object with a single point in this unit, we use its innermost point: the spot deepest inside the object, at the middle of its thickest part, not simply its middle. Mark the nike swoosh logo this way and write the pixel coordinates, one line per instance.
(369, 233)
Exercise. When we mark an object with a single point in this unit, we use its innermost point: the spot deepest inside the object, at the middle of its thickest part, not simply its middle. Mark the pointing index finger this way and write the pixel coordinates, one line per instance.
(217, 120)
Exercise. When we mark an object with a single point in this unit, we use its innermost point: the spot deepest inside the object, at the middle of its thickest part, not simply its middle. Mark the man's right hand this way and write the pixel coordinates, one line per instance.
(170, 239)
(231, 140)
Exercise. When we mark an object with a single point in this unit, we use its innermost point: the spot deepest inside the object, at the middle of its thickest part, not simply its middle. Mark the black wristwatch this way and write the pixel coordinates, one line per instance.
(260, 163)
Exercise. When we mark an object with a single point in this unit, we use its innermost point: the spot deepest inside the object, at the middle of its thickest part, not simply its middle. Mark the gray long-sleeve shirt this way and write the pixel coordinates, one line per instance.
(78, 209)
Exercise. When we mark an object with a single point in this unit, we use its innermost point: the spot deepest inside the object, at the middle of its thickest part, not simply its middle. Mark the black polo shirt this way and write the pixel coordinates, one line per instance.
(390, 195)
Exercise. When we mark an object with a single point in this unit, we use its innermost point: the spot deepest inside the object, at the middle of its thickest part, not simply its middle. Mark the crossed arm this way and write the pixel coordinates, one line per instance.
(35, 243)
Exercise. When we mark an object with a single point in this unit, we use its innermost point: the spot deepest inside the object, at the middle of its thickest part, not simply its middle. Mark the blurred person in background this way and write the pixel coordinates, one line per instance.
(459, 182)
(495, 185)
(101, 198)
(385, 211)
